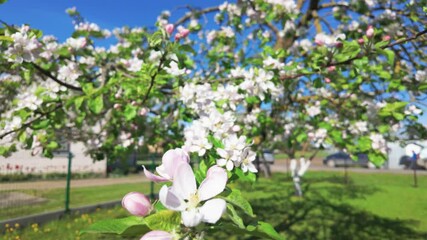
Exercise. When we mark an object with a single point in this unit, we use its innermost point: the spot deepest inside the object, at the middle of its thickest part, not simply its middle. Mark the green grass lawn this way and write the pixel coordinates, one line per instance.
(78, 197)
(369, 206)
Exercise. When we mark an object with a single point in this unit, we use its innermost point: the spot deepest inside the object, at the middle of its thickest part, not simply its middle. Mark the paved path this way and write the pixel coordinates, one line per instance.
(279, 166)
(39, 185)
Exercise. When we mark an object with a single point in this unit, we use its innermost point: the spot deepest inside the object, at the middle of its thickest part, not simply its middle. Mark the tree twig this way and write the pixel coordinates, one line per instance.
(48, 74)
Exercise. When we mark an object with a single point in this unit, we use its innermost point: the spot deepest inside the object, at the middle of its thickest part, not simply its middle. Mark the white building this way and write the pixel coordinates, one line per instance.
(23, 162)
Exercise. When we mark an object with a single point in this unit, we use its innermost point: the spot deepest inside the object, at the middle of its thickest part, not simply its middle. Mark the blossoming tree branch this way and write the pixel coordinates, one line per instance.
(263, 73)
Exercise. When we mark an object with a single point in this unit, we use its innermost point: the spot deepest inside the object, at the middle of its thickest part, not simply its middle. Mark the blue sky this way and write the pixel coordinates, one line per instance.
(50, 17)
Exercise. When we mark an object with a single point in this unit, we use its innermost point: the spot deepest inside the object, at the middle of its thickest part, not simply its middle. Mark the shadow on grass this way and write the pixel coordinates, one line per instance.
(323, 212)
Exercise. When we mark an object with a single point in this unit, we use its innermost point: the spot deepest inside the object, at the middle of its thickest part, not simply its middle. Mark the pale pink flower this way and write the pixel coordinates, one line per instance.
(158, 235)
(136, 204)
(184, 196)
(170, 162)
(169, 28)
(370, 32)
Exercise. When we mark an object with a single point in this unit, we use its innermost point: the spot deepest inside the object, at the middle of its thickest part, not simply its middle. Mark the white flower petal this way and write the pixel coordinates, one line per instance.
(221, 162)
(229, 165)
(184, 182)
(170, 200)
(154, 177)
(214, 183)
(192, 217)
(212, 210)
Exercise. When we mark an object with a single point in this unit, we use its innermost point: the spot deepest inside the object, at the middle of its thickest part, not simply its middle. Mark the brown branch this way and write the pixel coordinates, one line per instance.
(153, 78)
(191, 14)
(401, 41)
(25, 125)
(48, 74)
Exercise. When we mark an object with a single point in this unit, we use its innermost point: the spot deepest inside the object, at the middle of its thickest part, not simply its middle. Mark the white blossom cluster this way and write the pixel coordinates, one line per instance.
(421, 76)
(318, 137)
(378, 142)
(256, 82)
(328, 40)
(91, 27)
(25, 48)
(232, 9)
(236, 153)
(359, 127)
(52, 89)
(28, 99)
(314, 110)
(289, 6)
(50, 47)
(288, 127)
(70, 73)
(413, 110)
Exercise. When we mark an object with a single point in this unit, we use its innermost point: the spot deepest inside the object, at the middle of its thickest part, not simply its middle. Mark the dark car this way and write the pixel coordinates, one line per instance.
(343, 159)
(408, 162)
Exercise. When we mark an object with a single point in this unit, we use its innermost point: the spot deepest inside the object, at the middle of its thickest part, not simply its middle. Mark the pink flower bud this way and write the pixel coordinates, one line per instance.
(134, 103)
(331, 68)
(136, 204)
(386, 38)
(318, 42)
(169, 28)
(143, 111)
(327, 80)
(370, 32)
(361, 41)
(184, 32)
(158, 235)
(339, 45)
(117, 95)
(117, 106)
(178, 36)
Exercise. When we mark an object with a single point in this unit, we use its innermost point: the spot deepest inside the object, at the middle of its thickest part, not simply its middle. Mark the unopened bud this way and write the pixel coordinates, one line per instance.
(136, 204)
(370, 32)
(169, 28)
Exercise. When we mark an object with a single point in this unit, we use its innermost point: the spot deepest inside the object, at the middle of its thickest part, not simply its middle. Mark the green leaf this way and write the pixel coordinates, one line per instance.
(165, 220)
(398, 116)
(130, 226)
(5, 38)
(217, 143)
(200, 173)
(381, 44)
(158, 206)
(40, 124)
(266, 229)
(234, 216)
(155, 39)
(364, 144)
(258, 230)
(383, 128)
(52, 145)
(96, 104)
(235, 197)
(78, 102)
(376, 158)
(22, 136)
(130, 112)
(301, 137)
(187, 48)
